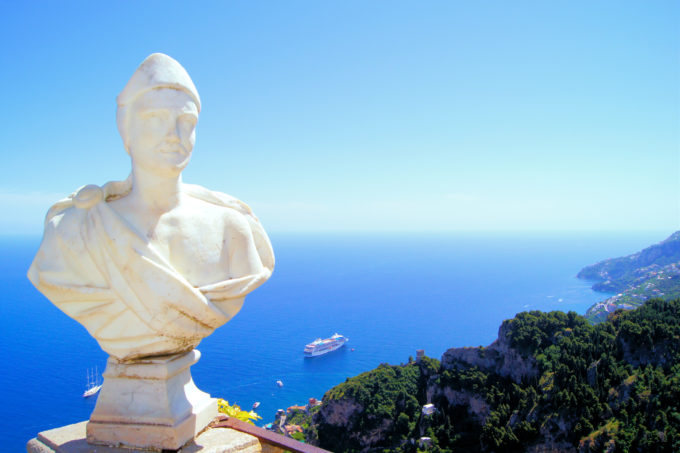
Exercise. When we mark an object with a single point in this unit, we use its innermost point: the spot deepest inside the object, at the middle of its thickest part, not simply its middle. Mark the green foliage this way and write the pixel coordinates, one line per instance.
(529, 331)
(298, 436)
(304, 419)
(389, 400)
(236, 412)
(614, 386)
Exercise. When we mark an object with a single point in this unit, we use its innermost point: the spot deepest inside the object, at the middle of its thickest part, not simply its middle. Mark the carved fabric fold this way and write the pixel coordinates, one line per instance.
(97, 269)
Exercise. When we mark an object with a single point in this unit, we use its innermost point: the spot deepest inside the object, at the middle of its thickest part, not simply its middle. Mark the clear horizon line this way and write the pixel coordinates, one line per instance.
(426, 231)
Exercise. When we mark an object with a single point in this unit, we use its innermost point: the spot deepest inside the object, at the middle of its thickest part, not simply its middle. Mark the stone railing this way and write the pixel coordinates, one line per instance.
(223, 435)
(270, 442)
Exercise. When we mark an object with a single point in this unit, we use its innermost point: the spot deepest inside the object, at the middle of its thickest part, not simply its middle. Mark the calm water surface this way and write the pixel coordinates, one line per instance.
(390, 294)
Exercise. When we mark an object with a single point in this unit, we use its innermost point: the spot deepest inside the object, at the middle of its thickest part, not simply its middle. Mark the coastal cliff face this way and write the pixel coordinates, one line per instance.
(499, 357)
(550, 382)
(375, 409)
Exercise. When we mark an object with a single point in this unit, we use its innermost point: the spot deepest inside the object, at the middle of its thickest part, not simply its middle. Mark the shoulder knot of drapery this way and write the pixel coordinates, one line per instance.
(88, 196)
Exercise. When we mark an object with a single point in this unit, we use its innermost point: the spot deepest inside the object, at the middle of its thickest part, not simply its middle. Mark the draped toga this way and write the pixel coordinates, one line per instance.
(98, 270)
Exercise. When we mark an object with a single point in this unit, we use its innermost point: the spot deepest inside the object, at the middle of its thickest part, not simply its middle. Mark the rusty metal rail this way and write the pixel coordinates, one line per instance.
(265, 436)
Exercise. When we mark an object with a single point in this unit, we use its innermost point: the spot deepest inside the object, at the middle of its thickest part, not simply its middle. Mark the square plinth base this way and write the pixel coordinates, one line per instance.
(71, 439)
(150, 404)
(142, 435)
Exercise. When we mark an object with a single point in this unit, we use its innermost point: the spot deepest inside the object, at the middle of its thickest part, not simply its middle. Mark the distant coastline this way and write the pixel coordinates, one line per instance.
(651, 272)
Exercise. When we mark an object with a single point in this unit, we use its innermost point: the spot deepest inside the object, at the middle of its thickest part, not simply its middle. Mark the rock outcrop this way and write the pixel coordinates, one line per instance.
(499, 358)
(551, 382)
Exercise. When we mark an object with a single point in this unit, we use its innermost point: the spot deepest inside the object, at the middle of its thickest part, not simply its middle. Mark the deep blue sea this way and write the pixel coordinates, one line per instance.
(389, 293)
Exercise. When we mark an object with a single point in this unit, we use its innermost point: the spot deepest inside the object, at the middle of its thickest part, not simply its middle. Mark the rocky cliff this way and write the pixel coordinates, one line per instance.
(499, 357)
(550, 382)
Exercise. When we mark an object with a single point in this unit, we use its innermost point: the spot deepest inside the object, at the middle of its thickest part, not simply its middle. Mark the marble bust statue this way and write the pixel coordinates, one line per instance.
(151, 265)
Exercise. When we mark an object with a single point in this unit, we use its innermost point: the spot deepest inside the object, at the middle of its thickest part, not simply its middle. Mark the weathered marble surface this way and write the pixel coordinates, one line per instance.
(71, 439)
(151, 265)
(150, 402)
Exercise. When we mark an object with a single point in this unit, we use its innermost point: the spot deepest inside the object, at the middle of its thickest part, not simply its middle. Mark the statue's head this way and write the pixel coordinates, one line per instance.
(157, 114)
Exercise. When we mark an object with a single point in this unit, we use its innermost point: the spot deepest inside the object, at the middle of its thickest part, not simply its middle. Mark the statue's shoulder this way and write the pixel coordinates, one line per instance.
(86, 197)
(63, 226)
(259, 236)
(218, 198)
(68, 211)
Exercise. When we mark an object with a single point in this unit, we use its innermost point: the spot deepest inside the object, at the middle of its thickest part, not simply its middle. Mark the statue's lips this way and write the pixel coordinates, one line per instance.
(178, 150)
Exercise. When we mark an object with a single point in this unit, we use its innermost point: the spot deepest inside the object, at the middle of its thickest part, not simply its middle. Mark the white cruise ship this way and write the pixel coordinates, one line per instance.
(321, 347)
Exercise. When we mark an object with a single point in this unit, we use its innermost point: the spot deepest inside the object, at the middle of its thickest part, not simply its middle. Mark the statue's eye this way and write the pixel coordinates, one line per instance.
(155, 117)
(186, 124)
(154, 121)
(188, 120)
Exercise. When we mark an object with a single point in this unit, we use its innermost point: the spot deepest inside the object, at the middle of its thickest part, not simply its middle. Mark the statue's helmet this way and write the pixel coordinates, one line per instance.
(156, 71)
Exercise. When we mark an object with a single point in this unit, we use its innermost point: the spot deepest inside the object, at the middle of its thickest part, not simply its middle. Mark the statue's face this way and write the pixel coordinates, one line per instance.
(161, 131)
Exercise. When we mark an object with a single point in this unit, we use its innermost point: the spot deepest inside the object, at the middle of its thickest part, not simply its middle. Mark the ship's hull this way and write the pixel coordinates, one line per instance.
(331, 348)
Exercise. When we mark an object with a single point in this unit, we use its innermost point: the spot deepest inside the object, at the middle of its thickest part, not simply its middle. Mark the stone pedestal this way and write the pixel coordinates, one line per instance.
(150, 403)
(71, 439)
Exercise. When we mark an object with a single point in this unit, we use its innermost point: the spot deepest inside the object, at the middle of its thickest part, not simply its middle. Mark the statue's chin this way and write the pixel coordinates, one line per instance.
(175, 159)
(172, 167)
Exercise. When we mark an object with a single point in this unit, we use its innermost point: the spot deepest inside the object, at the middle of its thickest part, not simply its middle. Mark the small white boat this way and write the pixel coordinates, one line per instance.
(279, 383)
(93, 383)
(256, 404)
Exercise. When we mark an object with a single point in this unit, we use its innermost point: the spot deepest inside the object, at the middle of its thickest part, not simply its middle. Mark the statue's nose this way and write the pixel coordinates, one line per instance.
(175, 132)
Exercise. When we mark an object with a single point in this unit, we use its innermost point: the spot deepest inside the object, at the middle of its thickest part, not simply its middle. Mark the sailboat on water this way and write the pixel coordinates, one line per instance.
(93, 383)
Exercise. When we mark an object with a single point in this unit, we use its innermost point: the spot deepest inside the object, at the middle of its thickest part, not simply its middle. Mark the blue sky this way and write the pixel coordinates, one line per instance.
(364, 115)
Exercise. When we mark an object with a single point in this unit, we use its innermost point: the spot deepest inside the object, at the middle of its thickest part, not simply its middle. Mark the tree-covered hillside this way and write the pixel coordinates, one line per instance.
(551, 382)
(652, 272)
(616, 271)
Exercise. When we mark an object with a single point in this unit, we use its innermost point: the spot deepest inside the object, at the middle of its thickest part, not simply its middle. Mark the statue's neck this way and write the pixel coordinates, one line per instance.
(154, 193)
